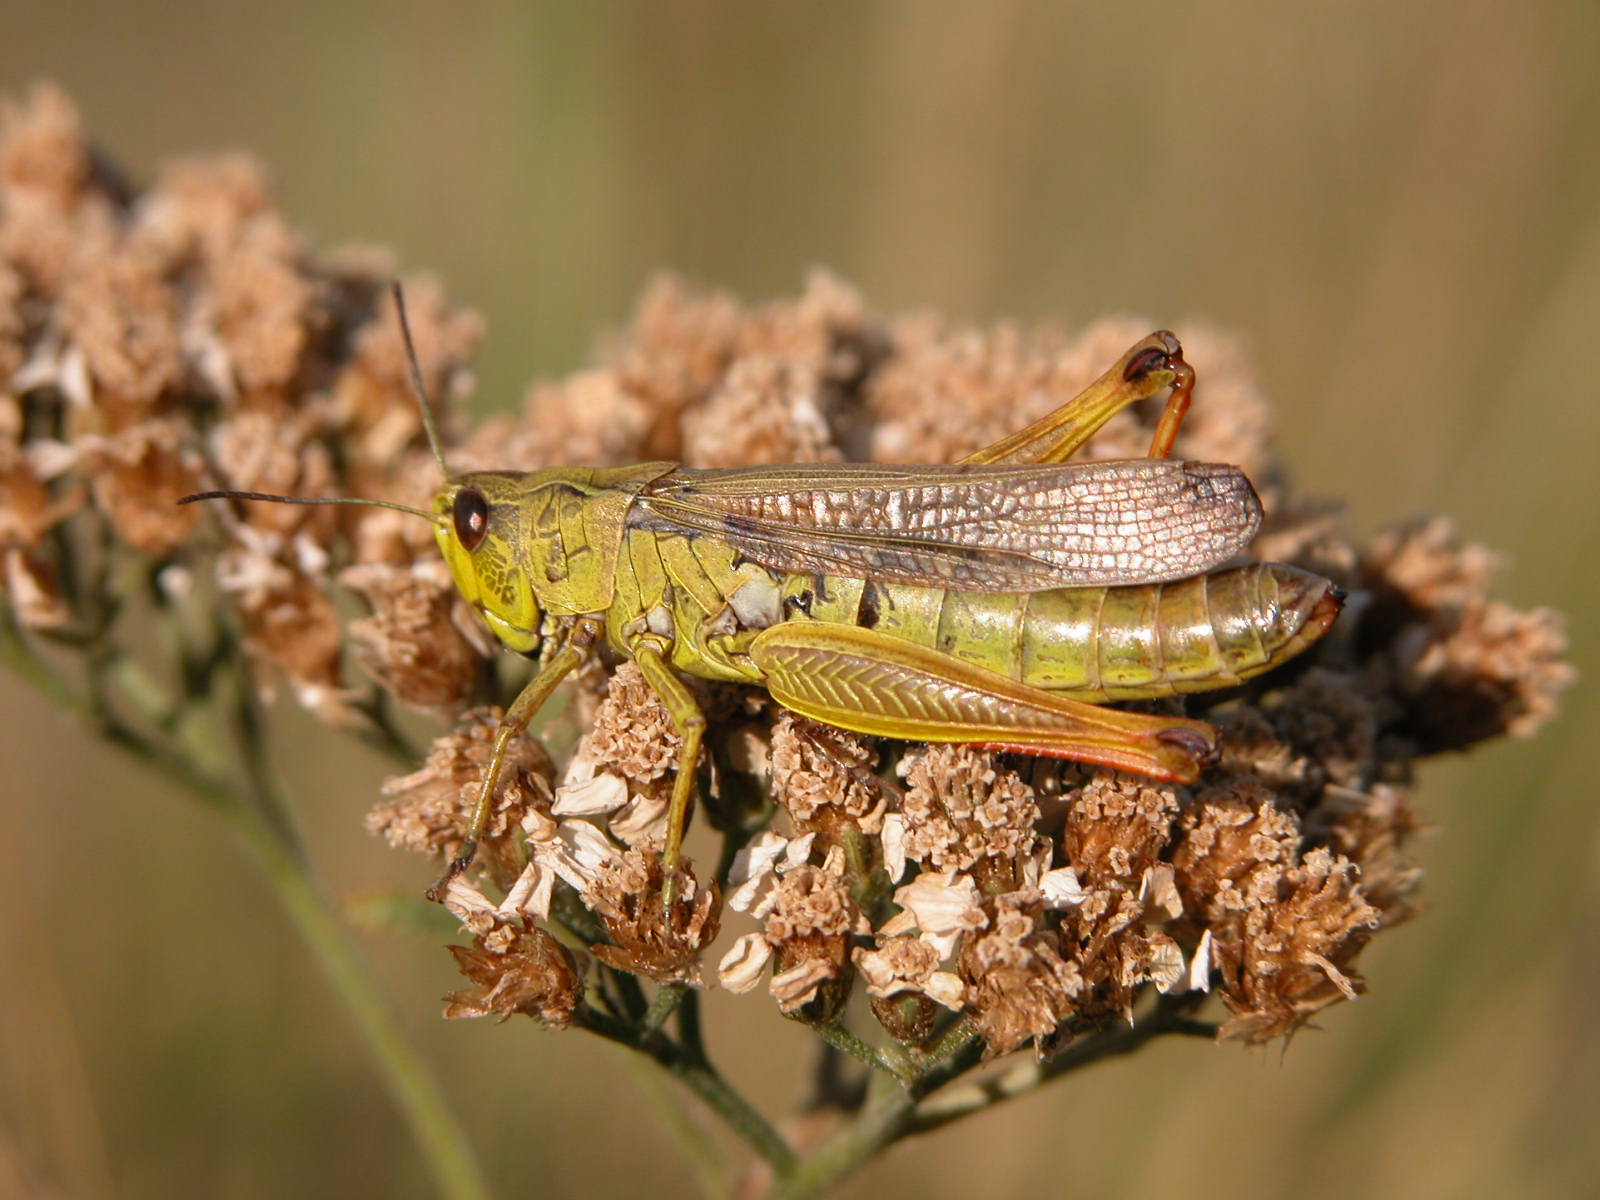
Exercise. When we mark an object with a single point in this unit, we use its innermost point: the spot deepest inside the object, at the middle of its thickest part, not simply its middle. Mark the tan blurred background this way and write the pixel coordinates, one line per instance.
(1399, 207)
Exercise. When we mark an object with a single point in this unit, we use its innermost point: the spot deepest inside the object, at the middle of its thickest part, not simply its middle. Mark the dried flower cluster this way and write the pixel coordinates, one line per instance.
(1037, 898)
(184, 337)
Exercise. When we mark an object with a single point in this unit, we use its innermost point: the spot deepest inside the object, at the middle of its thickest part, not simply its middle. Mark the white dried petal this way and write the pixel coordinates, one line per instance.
(798, 985)
(944, 943)
(48, 457)
(599, 794)
(1199, 976)
(937, 902)
(946, 988)
(1061, 889)
(62, 366)
(332, 706)
(176, 582)
(643, 820)
(539, 825)
(530, 895)
(878, 973)
(894, 846)
(250, 573)
(798, 852)
(581, 767)
(1166, 967)
(1158, 894)
(75, 380)
(207, 355)
(465, 901)
(310, 555)
(741, 967)
(576, 853)
(749, 751)
(752, 877)
(1035, 864)
(833, 862)
(757, 858)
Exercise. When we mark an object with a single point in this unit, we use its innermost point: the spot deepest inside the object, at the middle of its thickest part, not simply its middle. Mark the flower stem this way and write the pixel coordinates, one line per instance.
(840, 1038)
(880, 1122)
(439, 1135)
(893, 1113)
(701, 1078)
(260, 823)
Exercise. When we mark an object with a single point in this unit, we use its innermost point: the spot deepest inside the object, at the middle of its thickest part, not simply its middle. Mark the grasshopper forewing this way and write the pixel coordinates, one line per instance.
(997, 601)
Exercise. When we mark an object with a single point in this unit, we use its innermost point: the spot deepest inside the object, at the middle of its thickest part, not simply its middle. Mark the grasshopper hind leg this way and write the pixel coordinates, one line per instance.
(1153, 363)
(878, 684)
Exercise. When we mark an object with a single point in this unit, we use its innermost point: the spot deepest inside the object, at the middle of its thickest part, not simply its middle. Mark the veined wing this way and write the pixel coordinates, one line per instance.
(979, 528)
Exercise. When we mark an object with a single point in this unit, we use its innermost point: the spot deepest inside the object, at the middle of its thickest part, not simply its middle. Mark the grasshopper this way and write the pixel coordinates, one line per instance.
(998, 601)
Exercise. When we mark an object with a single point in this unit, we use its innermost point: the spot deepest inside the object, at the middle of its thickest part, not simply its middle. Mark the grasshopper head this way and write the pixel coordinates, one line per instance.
(475, 523)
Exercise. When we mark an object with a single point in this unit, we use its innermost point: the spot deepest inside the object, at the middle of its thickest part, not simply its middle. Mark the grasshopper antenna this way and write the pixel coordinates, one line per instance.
(427, 425)
(416, 378)
(229, 494)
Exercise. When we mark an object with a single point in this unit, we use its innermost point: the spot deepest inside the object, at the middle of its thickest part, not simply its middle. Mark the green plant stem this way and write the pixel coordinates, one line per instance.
(668, 997)
(705, 1159)
(840, 1038)
(704, 1080)
(893, 1113)
(440, 1136)
(880, 1122)
(1022, 1079)
(270, 845)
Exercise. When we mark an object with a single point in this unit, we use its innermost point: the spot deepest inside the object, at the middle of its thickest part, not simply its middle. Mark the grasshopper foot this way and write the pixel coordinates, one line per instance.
(458, 864)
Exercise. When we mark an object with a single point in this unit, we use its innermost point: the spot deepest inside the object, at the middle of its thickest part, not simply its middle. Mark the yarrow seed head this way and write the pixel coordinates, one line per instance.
(187, 337)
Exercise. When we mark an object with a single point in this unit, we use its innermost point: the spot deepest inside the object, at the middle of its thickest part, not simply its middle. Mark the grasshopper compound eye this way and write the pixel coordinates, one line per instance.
(471, 516)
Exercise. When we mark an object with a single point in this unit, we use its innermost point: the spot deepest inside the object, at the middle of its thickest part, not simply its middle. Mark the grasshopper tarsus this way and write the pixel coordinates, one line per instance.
(1205, 751)
(456, 866)
(1159, 357)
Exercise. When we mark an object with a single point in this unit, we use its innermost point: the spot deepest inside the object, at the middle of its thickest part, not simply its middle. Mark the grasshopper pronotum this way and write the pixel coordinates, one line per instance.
(996, 601)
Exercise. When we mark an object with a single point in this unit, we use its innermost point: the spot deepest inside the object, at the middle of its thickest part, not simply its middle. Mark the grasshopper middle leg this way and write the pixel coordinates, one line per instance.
(690, 722)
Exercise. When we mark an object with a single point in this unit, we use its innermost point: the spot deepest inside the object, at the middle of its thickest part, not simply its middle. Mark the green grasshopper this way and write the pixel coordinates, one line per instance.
(998, 601)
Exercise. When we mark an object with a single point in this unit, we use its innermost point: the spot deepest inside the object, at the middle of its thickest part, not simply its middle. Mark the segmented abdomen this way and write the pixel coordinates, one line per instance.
(1098, 643)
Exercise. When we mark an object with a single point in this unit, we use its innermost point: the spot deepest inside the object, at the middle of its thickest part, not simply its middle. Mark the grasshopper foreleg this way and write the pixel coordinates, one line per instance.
(878, 684)
(515, 721)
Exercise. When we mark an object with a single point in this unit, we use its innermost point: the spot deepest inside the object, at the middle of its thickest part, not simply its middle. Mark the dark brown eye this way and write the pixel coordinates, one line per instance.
(471, 515)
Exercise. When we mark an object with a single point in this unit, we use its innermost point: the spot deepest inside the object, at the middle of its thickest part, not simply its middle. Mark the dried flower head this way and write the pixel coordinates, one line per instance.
(962, 811)
(429, 810)
(1021, 987)
(1285, 924)
(188, 338)
(515, 969)
(823, 777)
(627, 893)
(420, 640)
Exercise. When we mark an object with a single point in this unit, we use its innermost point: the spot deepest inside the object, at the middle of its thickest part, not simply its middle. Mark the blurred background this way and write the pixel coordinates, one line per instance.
(1398, 207)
